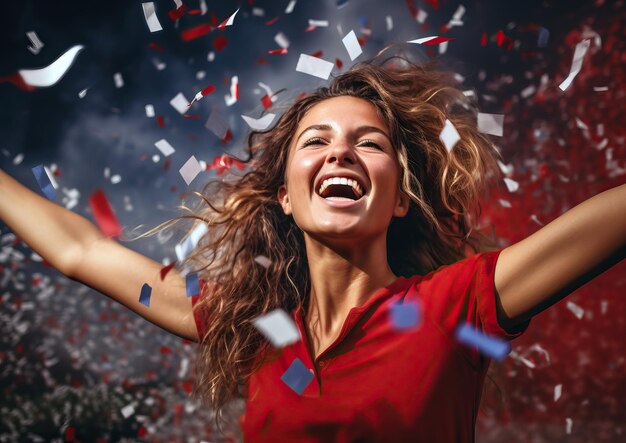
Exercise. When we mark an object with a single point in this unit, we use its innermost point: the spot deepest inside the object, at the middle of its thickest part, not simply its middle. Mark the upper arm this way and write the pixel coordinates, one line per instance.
(120, 273)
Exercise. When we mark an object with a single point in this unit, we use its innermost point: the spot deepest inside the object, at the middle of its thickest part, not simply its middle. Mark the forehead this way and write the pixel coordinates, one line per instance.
(343, 110)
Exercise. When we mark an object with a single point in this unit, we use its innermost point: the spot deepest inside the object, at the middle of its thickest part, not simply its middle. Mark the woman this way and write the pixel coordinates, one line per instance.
(360, 208)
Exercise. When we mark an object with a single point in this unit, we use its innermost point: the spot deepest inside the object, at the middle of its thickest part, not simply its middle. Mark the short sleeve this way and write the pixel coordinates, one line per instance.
(200, 314)
(465, 292)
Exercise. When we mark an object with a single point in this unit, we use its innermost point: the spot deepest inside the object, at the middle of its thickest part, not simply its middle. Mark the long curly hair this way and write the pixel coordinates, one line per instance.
(245, 220)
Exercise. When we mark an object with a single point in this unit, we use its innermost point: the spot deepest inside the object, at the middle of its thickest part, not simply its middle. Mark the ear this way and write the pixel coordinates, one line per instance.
(402, 205)
(283, 198)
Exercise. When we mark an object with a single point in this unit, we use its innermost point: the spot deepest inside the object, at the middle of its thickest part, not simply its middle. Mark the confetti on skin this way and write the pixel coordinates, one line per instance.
(104, 215)
(165, 148)
(489, 346)
(352, 45)
(575, 309)
(263, 261)
(229, 21)
(577, 63)
(192, 284)
(278, 328)
(44, 182)
(180, 103)
(152, 20)
(233, 97)
(184, 248)
(144, 296)
(449, 136)
(52, 73)
(190, 170)
(491, 123)
(432, 40)
(405, 316)
(314, 66)
(35, 42)
(166, 269)
(297, 376)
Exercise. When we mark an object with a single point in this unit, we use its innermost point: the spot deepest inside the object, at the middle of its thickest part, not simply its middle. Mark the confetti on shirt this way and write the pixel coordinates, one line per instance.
(577, 63)
(263, 261)
(492, 124)
(558, 389)
(192, 284)
(278, 328)
(314, 66)
(165, 148)
(52, 73)
(432, 40)
(151, 18)
(490, 346)
(104, 215)
(575, 309)
(45, 183)
(184, 248)
(180, 103)
(144, 296)
(259, 124)
(511, 184)
(35, 42)
(352, 45)
(190, 170)
(405, 315)
(297, 376)
(449, 136)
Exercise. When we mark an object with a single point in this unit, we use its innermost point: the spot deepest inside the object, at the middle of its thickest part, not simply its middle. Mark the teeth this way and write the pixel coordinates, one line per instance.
(341, 181)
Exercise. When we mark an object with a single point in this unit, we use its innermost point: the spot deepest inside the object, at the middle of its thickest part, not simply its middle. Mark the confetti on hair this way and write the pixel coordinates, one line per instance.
(144, 296)
(263, 261)
(297, 376)
(490, 346)
(184, 248)
(405, 316)
(278, 328)
(45, 181)
(432, 40)
(577, 63)
(352, 45)
(104, 214)
(449, 136)
(52, 73)
(192, 284)
(190, 170)
(314, 66)
(575, 309)
(35, 42)
(223, 163)
(492, 124)
(152, 20)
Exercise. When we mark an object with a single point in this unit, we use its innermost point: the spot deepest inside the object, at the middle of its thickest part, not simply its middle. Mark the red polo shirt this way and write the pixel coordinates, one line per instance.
(378, 384)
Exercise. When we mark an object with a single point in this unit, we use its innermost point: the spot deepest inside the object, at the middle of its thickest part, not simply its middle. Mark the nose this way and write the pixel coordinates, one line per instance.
(341, 153)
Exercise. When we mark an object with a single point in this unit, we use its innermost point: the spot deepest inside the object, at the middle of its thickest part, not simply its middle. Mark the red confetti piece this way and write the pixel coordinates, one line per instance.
(317, 54)
(433, 3)
(277, 51)
(191, 116)
(70, 434)
(220, 43)
(160, 121)
(228, 137)
(214, 20)
(104, 215)
(166, 269)
(178, 13)
(196, 32)
(18, 81)
(261, 61)
(156, 47)
(272, 21)
(266, 101)
(338, 63)
(483, 39)
(224, 162)
(167, 164)
(208, 90)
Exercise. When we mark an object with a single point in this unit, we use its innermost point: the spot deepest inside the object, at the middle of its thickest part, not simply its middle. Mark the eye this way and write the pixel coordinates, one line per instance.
(371, 143)
(313, 141)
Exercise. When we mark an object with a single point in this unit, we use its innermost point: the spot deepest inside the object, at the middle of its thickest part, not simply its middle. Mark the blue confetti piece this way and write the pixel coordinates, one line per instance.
(44, 182)
(146, 292)
(542, 39)
(405, 315)
(297, 376)
(363, 21)
(490, 346)
(192, 284)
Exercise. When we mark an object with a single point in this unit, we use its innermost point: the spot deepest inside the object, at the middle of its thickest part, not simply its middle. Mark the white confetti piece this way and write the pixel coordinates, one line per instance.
(281, 40)
(150, 111)
(318, 23)
(263, 261)
(389, 21)
(511, 185)
(128, 410)
(314, 66)
(217, 125)
(190, 170)
(165, 148)
(430, 40)
(35, 42)
(290, 6)
(152, 20)
(184, 248)
(534, 218)
(52, 73)
(352, 45)
(577, 63)
(568, 425)
(260, 123)
(600, 88)
(491, 123)
(116, 179)
(233, 97)
(278, 328)
(557, 392)
(180, 103)
(449, 136)
(82, 93)
(118, 80)
(421, 16)
(575, 309)
(229, 21)
(258, 12)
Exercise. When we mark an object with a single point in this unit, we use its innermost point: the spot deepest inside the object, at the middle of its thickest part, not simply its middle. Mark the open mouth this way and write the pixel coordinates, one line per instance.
(340, 189)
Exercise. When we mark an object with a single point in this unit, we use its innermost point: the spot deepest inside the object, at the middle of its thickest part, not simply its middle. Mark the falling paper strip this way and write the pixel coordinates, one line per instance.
(165, 148)
(352, 45)
(190, 170)
(449, 136)
(118, 80)
(144, 296)
(36, 43)
(568, 425)
(490, 123)
(184, 248)
(263, 261)
(511, 185)
(52, 73)
(206, 91)
(389, 20)
(421, 16)
(151, 18)
(542, 38)
(278, 328)
(44, 182)
(432, 40)
(104, 215)
(575, 309)
(180, 103)
(82, 93)
(229, 21)
(405, 315)
(557, 392)
(297, 376)
(192, 284)
(314, 66)
(290, 6)
(259, 124)
(149, 111)
(166, 269)
(490, 346)
(234, 92)
(318, 23)
(577, 63)
(281, 40)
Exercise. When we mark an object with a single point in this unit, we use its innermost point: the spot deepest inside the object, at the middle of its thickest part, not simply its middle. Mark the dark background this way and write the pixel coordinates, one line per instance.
(71, 359)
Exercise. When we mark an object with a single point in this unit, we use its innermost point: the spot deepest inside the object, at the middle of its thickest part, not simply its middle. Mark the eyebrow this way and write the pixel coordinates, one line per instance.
(359, 130)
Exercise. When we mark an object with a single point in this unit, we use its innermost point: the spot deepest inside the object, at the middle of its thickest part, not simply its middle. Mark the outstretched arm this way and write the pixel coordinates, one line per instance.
(535, 273)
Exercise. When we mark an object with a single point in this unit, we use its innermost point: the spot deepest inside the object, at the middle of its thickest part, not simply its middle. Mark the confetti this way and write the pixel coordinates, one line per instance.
(206, 91)
(104, 215)
(290, 6)
(165, 148)
(144, 296)
(45, 182)
(223, 163)
(127, 411)
(314, 66)
(166, 269)
(52, 73)
(557, 392)
(118, 80)
(192, 284)
(342, 3)
(491, 123)
(542, 38)
(489, 346)
(278, 328)
(196, 32)
(405, 315)
(180, 103)
(190, 170)
(229, 21)
(389, 21)
(575, 309)
(217, 125)
(600, 88)
(184, 248)
(432, 40)
(263, 261)
(281, 40)
(149, 111)
(577, 63)
(297, 376)
(511, 185)
(36, 43)
(82, 93)
(568, 425)
(449, 136)
(151, 18)
(261, 123)
(234, 92)
(352, 45)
